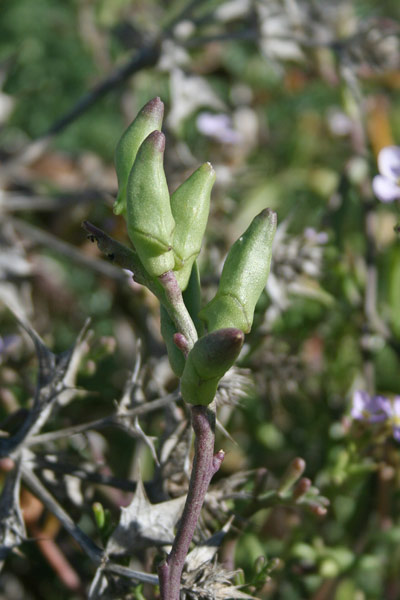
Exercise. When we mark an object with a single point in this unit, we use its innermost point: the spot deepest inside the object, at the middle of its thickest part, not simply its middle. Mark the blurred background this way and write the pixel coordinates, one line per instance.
(291, 101)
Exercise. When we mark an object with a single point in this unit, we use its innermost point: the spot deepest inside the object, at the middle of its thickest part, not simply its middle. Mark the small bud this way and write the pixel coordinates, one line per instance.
(148, 120)
(301, 488)
(149, 218)
(208, 361)
(239, 577)
(329, 568)
(99, 514)
(243, 277)
(294, 471)
(181, 343)
(317, 509)
(190, 205)
(260, 564)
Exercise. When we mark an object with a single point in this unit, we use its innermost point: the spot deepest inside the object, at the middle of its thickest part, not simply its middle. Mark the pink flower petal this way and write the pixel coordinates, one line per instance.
(385, 189)
(389, 162)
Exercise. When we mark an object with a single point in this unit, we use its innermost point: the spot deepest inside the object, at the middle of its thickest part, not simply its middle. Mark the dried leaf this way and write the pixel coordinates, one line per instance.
(205, 552)
(75, 357)
(47, 360)
(15, 270)
(230, 592)
(143, 524)
(99, 585)
(211, 583)
(55, 371)
(12, 526)
(146, 439)
(175, 457)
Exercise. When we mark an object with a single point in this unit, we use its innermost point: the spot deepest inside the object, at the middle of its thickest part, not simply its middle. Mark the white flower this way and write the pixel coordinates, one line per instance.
(386, 185)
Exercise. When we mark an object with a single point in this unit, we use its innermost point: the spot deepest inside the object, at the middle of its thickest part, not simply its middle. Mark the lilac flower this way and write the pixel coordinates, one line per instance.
(317, 237)
(219, 127)
(376, 409)
(372, 409)
(395, 418)
(386, 186)
(7, 343)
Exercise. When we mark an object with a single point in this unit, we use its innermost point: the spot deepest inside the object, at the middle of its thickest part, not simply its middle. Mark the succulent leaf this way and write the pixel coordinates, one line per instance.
(210, 358)
(149, 218)
(190, 205)
(243, 277)
(148, 120)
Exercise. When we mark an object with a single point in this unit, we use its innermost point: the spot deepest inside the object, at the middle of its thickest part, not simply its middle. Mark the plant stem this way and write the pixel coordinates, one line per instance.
(119, 254)
(205, 465)
(176, 308)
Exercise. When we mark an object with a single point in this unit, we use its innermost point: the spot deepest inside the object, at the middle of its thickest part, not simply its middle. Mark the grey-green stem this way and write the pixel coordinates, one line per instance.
(176, 308)
(165, 287)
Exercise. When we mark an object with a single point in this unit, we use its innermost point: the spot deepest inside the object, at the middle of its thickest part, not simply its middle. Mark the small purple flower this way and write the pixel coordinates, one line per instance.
(219, 127)
(376, 409)
(386, 186)
(316, 237)
(395, 418)
(372, 409)
(7, 343)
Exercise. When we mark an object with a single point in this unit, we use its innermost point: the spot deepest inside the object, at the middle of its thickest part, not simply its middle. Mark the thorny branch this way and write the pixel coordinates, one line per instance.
(17, 202)
(53, 373)
(90, 548)
(105, 421)
(83, 474)
(43, 238)
(93, 551)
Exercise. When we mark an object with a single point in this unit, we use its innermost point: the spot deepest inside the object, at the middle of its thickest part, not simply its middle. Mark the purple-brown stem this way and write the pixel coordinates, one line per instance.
(205, 465)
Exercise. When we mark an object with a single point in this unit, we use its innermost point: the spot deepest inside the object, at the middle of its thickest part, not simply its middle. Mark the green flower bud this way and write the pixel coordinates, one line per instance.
(99, 514)
(148, 119)
(149, 218)
(168, 330)
(243, 277)
(292, 474)
(208, 361)
(190, 205)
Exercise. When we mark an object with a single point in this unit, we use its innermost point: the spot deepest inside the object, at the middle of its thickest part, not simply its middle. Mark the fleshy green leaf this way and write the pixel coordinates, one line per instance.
(243, 277)
(208, 361)
(149, 119)
(190, 205)
(149, 218)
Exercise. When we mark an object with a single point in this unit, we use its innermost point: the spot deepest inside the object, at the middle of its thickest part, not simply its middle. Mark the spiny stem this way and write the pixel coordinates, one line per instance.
(205, 465)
